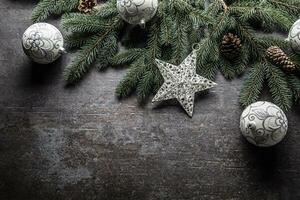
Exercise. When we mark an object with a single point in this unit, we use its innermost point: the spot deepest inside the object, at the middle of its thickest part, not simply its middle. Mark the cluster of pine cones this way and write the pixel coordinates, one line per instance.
(231, 46)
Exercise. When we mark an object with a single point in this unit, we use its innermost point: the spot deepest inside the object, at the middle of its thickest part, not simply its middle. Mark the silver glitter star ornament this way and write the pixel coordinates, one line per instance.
(181, 82)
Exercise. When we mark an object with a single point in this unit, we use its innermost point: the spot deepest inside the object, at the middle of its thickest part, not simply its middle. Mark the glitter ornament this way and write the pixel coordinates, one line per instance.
(137, 11)
(294, 37)
(181, 82)
(43, 43)
(263, 124)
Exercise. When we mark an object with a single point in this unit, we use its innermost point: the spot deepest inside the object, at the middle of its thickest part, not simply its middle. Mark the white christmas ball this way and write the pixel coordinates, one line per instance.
(294, 37)
(137, 11)
(263, 124)
(43, 43)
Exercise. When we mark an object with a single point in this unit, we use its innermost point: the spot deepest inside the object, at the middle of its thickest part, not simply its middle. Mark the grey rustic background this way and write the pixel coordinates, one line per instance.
(59, 142)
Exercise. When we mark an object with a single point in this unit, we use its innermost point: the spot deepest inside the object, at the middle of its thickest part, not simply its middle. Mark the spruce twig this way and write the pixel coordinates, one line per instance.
(88, 54)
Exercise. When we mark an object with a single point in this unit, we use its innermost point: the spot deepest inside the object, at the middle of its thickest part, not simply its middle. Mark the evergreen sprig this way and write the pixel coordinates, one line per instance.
(46, 8)
(171, 34)
(279, 88)
(253, 85)
(99, 47)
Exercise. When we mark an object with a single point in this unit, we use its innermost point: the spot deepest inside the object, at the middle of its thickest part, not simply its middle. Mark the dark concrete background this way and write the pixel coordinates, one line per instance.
(81, 143)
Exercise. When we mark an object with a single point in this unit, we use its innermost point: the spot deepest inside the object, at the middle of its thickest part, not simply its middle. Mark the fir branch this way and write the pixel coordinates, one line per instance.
(109, 50)
(167, 30)
(45, 8)
(276, 19)
(219, 28)
(269, 17)
(137, 76)
(199, 19)
(281, 93)
(294, 84)
(129, 83)
(253, 85)
(153, 43)
(146, 85)
(207, 70)
(180, 6)
(295, 58)
(77, 22)
(167, 26)
(227, 69)
(88, 54)
(208, 51)
(76, 40)
(242, 62)
(255, 49)
(292, 7)
(181, 42)
(270, 40)
(126, 57)
(214, 8)
(208, 57)
(107, 10)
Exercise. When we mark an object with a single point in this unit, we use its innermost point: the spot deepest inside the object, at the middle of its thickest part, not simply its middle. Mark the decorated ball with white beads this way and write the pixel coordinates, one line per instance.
(263, 124)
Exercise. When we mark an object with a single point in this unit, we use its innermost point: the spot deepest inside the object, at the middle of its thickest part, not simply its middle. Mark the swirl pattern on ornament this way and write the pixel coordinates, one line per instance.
(42, 42)
(294, 36)
(270, 124)
(133, 11)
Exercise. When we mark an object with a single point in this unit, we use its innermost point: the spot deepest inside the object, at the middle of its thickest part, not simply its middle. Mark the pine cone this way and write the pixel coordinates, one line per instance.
(231, 46)
(278, 57)
(86, 6)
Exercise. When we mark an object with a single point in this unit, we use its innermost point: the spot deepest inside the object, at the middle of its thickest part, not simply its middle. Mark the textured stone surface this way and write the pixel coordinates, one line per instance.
(81, 143)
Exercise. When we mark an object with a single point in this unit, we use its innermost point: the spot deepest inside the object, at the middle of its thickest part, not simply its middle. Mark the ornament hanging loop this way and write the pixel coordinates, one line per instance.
(142, 24)
(62, 50)
(196, 47)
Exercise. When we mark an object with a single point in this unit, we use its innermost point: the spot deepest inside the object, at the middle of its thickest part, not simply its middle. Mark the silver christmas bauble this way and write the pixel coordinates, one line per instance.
(137, 11)
(294, 37)
(263, 124)
(43, 43)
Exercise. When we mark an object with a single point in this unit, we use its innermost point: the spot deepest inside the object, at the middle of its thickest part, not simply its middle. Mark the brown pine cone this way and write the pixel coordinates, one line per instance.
(231, 46)
(86, 6)
(278, 57)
